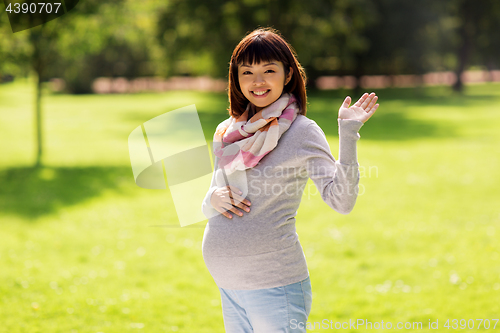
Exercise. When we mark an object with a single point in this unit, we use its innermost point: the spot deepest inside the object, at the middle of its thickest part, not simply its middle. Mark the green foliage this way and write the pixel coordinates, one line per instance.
(190, 37)
(187, 27)
(14, 50)
(332, 37)
(115, 39)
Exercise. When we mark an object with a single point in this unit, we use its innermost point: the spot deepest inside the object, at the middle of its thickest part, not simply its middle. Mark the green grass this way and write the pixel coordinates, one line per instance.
(82, 248)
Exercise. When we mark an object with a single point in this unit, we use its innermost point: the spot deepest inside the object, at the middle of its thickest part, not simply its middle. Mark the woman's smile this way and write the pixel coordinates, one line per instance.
(261, 93)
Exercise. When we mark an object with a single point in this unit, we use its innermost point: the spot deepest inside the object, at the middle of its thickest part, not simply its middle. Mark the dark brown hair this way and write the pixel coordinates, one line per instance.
(265, 44)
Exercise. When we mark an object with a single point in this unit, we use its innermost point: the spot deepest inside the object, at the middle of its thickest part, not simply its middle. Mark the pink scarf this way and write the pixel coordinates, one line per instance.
(241, 143)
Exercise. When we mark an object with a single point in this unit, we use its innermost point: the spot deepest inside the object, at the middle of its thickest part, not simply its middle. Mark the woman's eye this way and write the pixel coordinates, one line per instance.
(248, 72)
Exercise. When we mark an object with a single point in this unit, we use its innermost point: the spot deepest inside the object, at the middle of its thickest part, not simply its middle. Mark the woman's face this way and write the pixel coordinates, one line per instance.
(262, 83)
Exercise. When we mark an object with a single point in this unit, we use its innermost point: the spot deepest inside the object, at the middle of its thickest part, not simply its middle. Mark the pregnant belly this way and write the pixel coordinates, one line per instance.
(225, 237)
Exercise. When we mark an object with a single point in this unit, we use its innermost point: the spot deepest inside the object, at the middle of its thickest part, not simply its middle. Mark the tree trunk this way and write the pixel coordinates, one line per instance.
(462, 61)
(36, 36)
(466, 32)
(358, 73)
(38, 119)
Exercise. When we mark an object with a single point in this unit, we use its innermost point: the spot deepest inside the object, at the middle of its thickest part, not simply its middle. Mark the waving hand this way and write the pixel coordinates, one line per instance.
(362, 110)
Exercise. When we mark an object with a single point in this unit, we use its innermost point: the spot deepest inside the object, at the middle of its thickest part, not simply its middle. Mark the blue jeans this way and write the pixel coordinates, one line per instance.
(281, 309)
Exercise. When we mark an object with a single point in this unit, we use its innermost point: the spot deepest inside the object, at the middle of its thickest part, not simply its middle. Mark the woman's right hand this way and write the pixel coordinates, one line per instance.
(228, 198)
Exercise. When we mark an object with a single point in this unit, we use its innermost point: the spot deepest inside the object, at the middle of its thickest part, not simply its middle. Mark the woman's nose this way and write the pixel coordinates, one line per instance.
(259, 80)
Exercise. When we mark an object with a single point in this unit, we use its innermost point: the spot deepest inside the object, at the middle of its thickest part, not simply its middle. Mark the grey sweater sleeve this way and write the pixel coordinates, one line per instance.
(206, 206)
(336, 181)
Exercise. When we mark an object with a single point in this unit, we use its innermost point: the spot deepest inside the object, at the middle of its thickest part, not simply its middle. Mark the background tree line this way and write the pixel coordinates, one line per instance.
(191, 37)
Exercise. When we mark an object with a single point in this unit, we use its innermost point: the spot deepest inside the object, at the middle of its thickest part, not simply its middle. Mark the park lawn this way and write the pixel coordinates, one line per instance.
(83, 249)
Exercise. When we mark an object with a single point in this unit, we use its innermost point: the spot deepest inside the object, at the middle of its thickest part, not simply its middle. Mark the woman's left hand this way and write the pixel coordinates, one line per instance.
(362, 110)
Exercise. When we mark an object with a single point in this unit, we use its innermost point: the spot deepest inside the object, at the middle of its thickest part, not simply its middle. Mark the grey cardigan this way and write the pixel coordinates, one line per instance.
(261, 249)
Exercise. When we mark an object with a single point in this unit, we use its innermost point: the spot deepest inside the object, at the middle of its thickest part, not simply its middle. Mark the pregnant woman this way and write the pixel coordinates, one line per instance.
(264, 154)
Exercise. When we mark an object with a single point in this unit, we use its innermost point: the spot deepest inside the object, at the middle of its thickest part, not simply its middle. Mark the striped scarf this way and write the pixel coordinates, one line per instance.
(241, 143)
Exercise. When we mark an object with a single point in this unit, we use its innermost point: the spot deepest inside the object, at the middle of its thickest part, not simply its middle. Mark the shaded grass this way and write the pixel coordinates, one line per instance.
(35, 192)
(84, 250)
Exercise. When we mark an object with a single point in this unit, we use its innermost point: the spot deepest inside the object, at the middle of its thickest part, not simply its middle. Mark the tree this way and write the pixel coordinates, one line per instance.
(478, 36)
(41, 47)
(40, 40)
